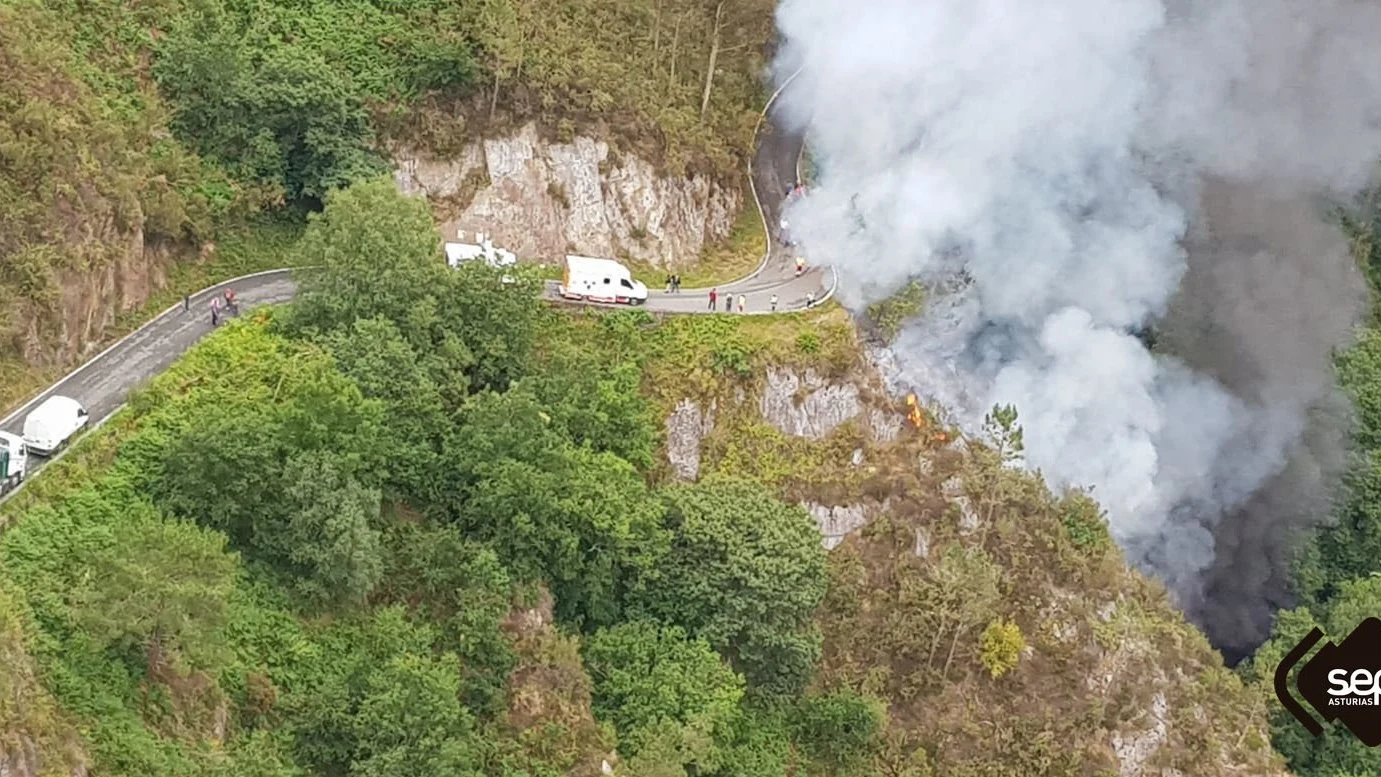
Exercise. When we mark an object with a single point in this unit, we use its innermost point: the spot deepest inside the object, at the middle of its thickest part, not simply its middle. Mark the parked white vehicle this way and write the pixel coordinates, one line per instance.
(50, 425)
(483, 250)
(600, 280)
(13, 462)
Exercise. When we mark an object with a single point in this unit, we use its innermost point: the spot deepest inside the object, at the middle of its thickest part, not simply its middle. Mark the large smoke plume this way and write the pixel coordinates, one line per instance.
(1065, 173)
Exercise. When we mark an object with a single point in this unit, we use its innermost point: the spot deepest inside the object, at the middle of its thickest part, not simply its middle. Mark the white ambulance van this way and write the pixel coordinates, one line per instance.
(600, 280)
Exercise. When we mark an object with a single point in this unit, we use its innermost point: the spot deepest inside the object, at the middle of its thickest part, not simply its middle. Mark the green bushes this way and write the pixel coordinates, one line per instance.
(889, 315)
(279, 92)
(238, 573)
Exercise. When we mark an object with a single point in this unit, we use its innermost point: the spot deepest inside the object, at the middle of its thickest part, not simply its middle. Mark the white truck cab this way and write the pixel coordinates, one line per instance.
(50, 425)
(13, 461)
(600, 280)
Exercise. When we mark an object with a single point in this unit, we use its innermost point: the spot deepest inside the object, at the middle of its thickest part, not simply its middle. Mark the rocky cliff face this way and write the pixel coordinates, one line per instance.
(942, 541)
(59, 305)
(543, 199)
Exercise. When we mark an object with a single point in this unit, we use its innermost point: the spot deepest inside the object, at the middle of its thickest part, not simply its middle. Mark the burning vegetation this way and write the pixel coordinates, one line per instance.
(922, 421)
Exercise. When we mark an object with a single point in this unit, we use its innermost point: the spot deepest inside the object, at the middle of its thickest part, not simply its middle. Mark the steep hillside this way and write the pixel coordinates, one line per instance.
(37, 738)
(139, 139)
(418, 521)
(997, 620)
(374, 534)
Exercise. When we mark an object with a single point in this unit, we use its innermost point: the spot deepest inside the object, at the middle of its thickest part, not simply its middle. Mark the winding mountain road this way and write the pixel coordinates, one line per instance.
(103, 382)
(776, 165)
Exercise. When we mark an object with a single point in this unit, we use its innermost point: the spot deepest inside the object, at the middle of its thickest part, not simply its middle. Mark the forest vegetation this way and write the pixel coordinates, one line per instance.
(140, 134)
(405, 525)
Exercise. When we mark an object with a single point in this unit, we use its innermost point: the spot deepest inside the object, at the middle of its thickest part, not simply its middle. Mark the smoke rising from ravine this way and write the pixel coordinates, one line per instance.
(1065, 173)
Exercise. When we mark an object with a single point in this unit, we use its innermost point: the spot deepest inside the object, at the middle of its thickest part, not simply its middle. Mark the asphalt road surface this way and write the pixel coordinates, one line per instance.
(104, 382)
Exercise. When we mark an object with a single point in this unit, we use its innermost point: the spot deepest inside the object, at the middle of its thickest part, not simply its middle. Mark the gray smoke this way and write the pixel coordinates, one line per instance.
(1067, 172)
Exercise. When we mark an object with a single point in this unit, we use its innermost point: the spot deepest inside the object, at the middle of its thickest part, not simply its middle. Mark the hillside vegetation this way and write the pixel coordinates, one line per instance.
(137, 136)
(412, 524)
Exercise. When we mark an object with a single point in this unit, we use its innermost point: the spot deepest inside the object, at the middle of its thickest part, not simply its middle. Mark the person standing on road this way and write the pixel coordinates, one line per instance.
(186, 302)
(714, 295)
(800, 265)
(774, 303)
(810, 299)
(676, 283)
(215, 311)
(741, 301)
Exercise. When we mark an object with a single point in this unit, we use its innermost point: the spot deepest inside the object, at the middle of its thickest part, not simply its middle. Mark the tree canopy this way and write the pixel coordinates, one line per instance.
(746, 572)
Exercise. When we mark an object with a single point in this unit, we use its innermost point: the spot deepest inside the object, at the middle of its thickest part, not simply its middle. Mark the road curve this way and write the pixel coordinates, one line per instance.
(104, 382)
(776, 165)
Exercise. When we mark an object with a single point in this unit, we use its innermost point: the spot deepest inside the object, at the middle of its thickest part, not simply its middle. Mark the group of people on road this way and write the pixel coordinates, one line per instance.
(743, 301)
(230, 306)
(674, 283)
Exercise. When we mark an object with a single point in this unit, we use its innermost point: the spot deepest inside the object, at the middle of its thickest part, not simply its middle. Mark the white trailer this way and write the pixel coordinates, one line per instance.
(13, 462)
(50, 425)
(600, 280)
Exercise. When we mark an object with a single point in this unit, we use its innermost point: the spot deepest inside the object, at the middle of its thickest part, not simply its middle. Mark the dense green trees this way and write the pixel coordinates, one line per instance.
(585, 522)
(1335, 571)
(409, 463)
(745, 572)
(291, 482)
(1336, 753)
(278, 92)
(664, 691)
(160, 585)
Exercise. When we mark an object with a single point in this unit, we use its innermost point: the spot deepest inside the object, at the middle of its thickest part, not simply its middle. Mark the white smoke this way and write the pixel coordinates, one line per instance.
(1051, 155)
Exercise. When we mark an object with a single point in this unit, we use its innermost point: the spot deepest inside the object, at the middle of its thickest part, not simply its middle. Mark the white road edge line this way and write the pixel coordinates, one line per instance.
(172, 309)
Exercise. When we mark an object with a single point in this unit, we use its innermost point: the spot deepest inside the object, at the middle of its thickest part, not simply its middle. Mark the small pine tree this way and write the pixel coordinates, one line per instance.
(1000, 426)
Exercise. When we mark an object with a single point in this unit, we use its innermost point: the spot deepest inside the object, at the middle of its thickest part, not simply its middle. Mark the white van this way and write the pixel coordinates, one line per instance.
(52, 424)
(600, 280)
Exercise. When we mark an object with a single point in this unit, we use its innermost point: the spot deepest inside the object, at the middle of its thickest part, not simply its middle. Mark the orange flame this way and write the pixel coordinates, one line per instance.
(914, 414)
(917, 417)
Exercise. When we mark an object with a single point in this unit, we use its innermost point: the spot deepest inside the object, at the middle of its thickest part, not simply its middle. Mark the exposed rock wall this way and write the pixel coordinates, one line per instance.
(805, 405)
(106, 268)
(687, 428)
(839, 521)
(543, 199)
(1087, 621)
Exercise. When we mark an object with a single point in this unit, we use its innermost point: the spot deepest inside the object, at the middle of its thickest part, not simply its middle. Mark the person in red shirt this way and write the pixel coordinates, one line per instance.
(714, 295)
